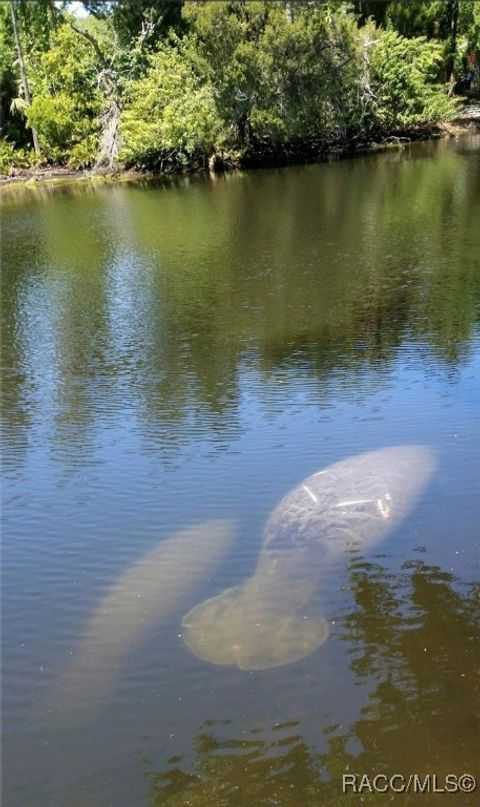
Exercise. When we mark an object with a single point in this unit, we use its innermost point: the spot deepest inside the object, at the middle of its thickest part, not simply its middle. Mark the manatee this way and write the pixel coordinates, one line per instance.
(274, 617)
(145, 594)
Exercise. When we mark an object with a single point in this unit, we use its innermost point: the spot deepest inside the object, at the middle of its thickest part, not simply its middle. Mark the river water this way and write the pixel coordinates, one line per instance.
(187, 351)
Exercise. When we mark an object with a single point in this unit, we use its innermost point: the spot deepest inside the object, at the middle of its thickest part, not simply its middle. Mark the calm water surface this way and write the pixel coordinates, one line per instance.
(176, 353)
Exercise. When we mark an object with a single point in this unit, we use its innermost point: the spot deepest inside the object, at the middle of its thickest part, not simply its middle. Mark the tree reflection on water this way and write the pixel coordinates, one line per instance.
(185, 292)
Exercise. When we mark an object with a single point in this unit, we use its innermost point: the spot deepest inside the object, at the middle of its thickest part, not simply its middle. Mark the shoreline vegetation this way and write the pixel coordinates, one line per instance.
(142, 88)
(59, 175)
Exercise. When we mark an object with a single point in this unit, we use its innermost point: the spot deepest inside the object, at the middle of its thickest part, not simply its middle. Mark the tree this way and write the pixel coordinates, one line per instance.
(403, 76)
(108, 83)
(452, 12)
(131, 19)
(170, 117)
(67, 101)
(23, 69)
(275, 81)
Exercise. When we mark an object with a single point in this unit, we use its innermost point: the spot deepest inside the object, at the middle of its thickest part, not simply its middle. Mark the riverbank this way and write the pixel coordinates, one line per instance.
(467, 120)
(57, 175)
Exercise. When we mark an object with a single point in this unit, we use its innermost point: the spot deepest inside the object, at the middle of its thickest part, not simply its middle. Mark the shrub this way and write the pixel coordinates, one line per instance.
(66, 104)
(170, 118)
(12, 158)
(403, 75)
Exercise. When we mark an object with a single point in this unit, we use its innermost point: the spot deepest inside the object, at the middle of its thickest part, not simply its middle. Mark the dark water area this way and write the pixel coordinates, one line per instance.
(177, 353)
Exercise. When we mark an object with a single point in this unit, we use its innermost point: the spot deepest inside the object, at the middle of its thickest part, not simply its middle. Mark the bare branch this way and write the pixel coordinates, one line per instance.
(88, 36)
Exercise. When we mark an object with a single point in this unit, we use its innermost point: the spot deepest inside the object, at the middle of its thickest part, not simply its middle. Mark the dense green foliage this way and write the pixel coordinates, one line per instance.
(171, 85)
(404, 73)
(170, 115)
(151, 19)
(66, 100)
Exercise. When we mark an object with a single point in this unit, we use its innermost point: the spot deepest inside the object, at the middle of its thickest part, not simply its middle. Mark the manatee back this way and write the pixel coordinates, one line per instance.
(353, 503)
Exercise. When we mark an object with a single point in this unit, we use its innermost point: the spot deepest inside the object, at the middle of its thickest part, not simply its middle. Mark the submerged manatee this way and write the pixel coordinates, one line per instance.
(272, 618)
(145, 594)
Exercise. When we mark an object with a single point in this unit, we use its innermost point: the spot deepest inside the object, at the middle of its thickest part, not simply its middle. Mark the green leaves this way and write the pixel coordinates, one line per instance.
(12, 158)
(404, 73)
(170, 117)
(131, 19)
(67, 102)
(253, 80)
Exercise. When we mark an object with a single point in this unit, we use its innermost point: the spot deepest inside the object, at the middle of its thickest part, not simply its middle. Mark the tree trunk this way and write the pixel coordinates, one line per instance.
(23, 70)
(110, 120)
(110, 136)
(453, 11)
(289, 11)
(243, 129)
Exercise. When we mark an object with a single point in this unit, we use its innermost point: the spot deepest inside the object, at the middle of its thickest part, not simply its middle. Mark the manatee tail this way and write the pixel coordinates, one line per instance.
(241, 627)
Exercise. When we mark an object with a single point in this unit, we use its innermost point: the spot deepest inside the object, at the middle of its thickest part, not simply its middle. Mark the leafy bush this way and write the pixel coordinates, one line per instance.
(170, 118)
(310, 75)
(404, 73)
(12, 157)
(66, 102)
